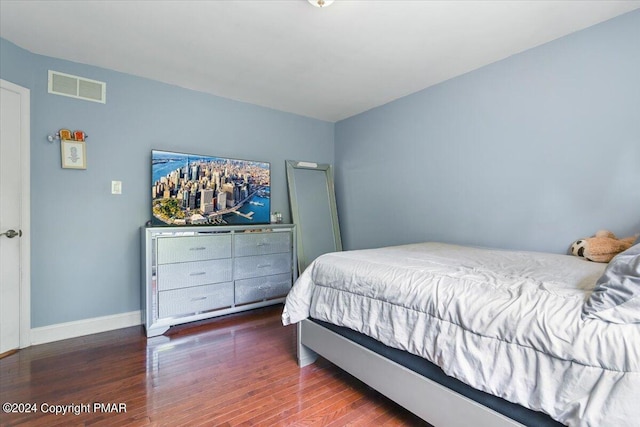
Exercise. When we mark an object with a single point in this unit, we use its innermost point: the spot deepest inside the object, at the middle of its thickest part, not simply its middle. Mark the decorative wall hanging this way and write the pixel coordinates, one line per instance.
(74, 154)
(72, 148)
(66, 134)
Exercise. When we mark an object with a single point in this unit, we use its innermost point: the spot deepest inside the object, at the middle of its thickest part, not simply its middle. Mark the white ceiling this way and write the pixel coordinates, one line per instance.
(328, 63)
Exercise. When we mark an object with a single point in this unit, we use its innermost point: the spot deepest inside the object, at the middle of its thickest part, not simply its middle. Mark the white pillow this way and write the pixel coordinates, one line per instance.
(616, 297)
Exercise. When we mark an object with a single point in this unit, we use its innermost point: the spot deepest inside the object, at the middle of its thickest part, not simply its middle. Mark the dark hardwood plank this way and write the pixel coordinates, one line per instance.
(237, 370)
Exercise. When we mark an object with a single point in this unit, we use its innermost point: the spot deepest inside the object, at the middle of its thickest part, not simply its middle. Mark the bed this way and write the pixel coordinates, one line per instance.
(510, 338)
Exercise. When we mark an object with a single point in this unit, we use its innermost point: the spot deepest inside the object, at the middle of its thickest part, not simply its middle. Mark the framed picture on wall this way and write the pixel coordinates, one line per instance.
(74, 154)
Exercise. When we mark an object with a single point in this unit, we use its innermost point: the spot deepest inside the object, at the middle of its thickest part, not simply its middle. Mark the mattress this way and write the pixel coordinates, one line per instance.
(504, 322)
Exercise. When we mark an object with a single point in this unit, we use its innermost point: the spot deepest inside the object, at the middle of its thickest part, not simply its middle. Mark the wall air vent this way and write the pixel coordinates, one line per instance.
(77, 87)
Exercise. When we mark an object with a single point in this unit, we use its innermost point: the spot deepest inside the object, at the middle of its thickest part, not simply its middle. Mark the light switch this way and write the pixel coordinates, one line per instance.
(116, 187)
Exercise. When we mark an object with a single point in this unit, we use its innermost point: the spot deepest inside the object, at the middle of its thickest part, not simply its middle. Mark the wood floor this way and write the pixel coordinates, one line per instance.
(236, 370)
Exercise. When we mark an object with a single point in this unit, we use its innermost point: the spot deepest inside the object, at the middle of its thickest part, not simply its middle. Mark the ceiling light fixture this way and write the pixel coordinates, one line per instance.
(321, 3)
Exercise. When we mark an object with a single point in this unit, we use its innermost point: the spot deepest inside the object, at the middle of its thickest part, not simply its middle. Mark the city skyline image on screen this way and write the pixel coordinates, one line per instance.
(190, 189)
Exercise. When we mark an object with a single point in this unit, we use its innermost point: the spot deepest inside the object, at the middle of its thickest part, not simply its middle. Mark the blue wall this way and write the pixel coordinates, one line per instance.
(531, 152)
(85, 241)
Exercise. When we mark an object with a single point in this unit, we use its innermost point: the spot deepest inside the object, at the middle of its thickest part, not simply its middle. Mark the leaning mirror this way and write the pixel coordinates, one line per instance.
(313, 209)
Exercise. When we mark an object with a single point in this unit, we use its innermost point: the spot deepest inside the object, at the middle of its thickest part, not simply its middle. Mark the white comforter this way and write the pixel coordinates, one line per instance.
(504, 322)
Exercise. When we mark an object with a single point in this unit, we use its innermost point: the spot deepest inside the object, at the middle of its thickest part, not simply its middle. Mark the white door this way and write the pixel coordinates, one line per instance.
(14, 217)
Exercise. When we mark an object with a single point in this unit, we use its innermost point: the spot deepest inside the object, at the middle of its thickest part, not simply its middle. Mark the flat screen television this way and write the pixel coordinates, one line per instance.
(191, 189)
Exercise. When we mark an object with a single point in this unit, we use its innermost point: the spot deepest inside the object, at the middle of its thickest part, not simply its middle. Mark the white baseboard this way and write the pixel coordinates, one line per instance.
(78, 328)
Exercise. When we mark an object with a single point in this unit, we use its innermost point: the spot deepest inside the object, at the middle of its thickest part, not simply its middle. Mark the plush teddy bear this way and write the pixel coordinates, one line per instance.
(602, 247)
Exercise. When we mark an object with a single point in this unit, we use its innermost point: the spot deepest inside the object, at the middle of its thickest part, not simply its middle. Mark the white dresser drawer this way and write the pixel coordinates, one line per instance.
(186, 274)
(195, 300)
(193, 248)
(261, 243)
(262, 288)
(261, 265)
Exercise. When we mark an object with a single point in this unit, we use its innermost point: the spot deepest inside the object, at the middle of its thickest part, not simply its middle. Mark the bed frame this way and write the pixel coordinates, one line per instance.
(427, 399)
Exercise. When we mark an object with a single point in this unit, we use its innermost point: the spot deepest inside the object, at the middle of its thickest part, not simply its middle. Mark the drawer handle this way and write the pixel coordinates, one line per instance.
(264, 265)
(199, 248)
(198, 298)
(264, 287)
(199, 273)
(263, 244)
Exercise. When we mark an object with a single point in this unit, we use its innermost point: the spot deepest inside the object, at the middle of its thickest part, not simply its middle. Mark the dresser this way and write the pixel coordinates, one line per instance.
(194, 273)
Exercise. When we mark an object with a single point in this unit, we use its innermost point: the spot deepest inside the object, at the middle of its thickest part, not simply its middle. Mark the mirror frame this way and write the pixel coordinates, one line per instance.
(325, 169)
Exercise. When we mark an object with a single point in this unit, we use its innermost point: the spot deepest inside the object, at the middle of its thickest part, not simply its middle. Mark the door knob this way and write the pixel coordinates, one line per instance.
(12, 233)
